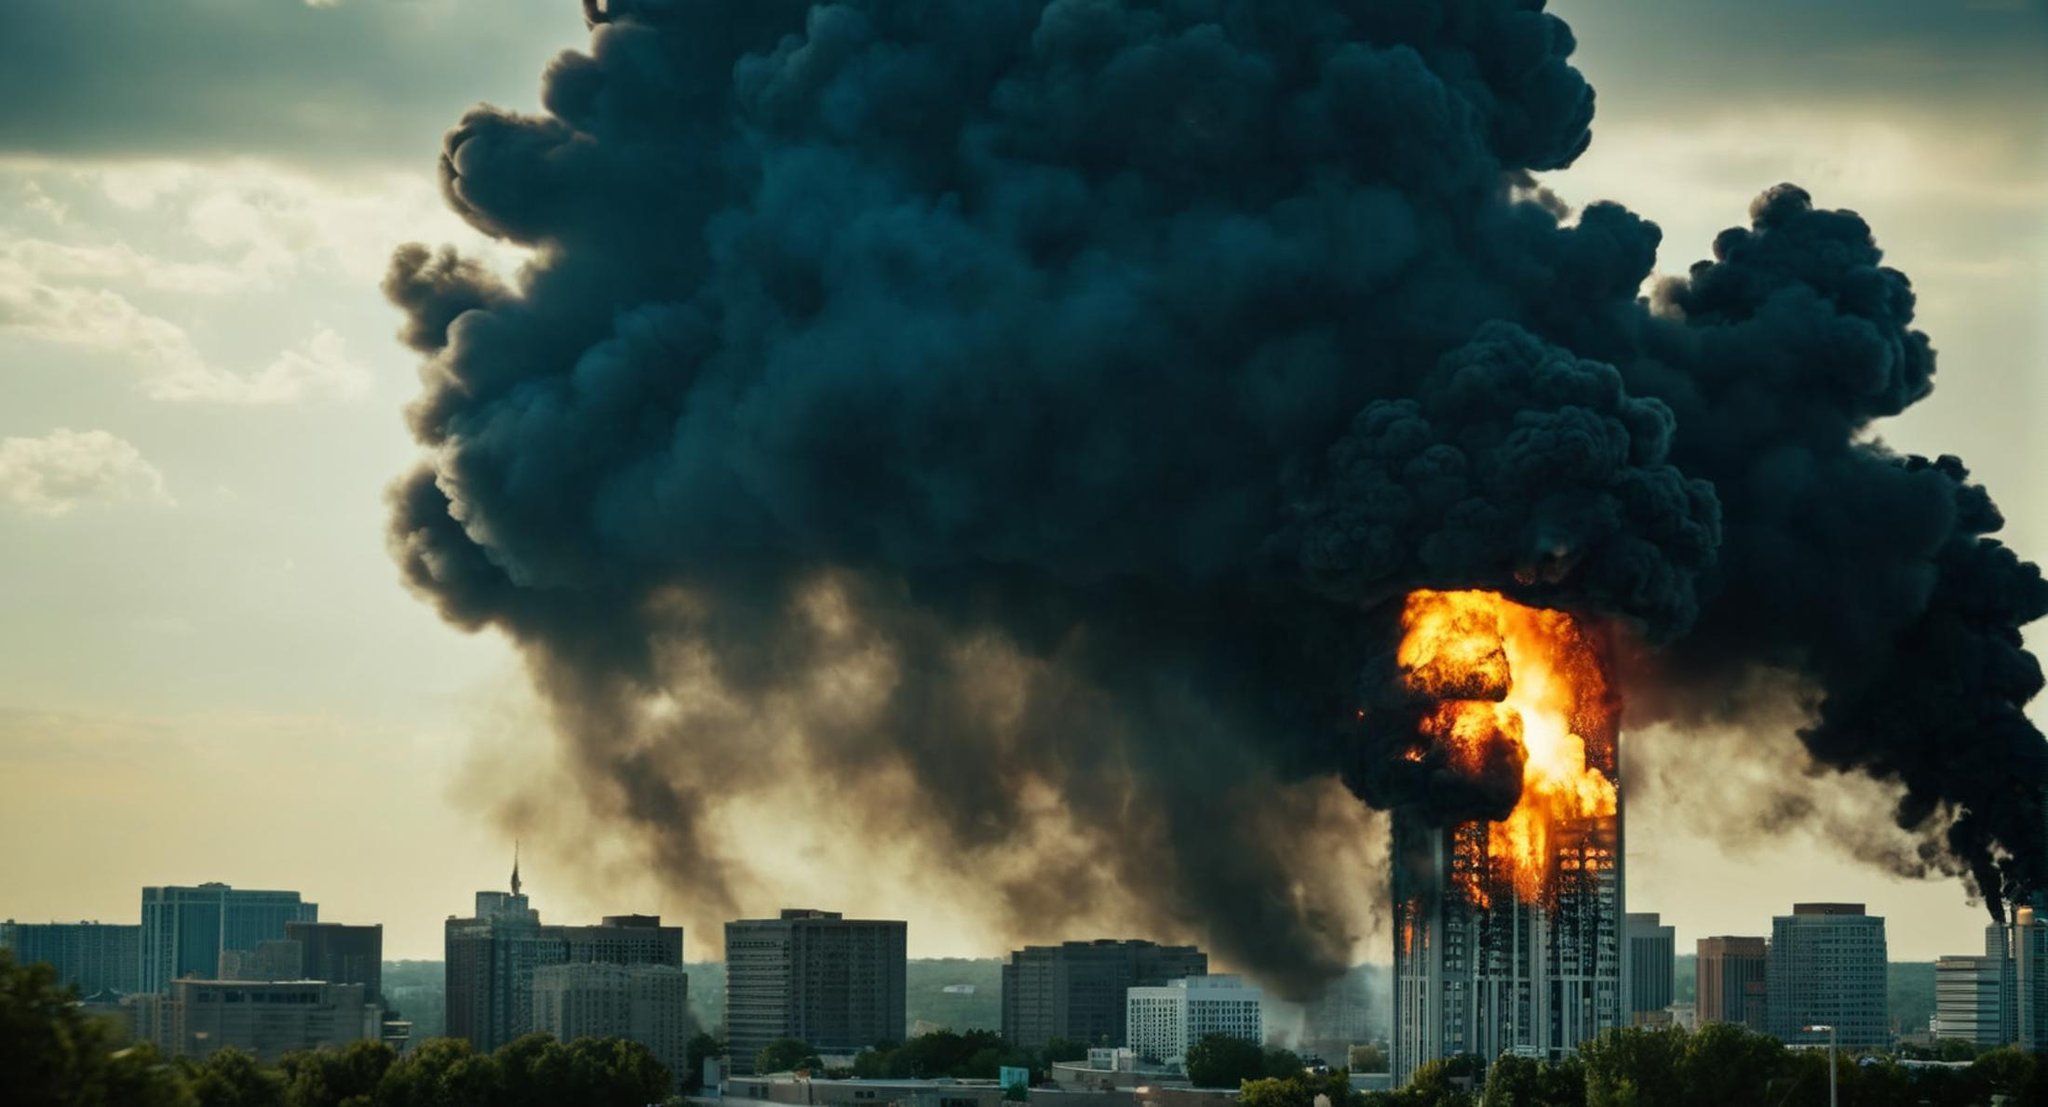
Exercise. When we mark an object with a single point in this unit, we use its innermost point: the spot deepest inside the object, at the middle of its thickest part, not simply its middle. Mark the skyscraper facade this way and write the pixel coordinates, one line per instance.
(1827, 966)
(2021, 949)
(1480, 968)
(1652, 959)
(833, 982)
(1076, 990)
(645, 1003)
(490, 959)
(92, 957)
(1730, 981)
(184, 929)
(1969, 999)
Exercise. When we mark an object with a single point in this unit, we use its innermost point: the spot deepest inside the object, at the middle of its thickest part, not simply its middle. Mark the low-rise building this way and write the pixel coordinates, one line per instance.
(1165, 1021)
(1969, 999)
(266, 1019)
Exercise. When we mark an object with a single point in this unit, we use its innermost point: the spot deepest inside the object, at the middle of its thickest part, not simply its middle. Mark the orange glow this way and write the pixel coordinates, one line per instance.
(1513, 684)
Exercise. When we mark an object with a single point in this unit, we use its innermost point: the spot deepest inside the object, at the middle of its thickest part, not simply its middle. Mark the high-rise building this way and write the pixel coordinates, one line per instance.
(278, 959)
(835, 983)
(184, 930)
(341, 954)
(1652, 960)
(92, 957)
(1166, 1021)
(491, 957)
(1076, 990)
(1730, 977)
(1969, 999)
(649, 1004)
(1827, 966)
(1480, 968)
(267, 1019)
(2021, 949)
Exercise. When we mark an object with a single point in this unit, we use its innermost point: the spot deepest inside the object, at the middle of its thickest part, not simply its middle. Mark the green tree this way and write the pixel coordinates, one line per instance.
(1527, 1082)
(1281, 1063)
(232, 1078)
(441, 1072)
(786, 1055)
(1635, 1067)
(1221, 1061)
(1297, 1090)
(1059, 1050)
(1446, 1083)
(53, 1055)
(329, 1078)
(703, 1047)
(1366, 1058)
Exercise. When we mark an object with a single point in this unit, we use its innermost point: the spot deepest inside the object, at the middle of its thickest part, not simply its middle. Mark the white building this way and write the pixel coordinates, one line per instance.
(1163, 1022)
(649, 1004)
(266, 1019)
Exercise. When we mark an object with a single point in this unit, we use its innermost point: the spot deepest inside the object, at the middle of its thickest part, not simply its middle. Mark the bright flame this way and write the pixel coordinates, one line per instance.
(1514, 684)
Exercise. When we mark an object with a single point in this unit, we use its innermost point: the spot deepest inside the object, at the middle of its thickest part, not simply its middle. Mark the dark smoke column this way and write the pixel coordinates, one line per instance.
(1013, 420)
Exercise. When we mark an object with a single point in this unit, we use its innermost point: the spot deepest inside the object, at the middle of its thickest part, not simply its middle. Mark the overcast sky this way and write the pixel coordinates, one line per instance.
(208, 670)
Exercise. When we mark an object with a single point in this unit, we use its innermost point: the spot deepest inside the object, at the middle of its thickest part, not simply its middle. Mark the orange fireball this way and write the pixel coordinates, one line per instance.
(1507, 677)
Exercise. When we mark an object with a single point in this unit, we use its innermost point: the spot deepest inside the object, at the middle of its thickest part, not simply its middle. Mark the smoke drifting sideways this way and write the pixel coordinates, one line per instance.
(1019, 415)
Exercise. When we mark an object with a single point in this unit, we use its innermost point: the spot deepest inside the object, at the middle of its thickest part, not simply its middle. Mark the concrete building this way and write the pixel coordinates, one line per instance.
(279, 959)
(268, 1019)
(341, 954)
(1652, 961)
(2021, 948)
(1730, 977)
(1075, 990)
(490, 959)
(1164, 1021)
(1969, 999)
(835, 983)
(1480, 970)
(185, 930)
(1827, 965)
(93, 957)
(649, 1004)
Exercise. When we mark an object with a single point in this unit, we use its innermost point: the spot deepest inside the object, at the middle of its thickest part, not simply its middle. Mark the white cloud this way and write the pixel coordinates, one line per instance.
(51, 475)
(318, 367)
(171, 366)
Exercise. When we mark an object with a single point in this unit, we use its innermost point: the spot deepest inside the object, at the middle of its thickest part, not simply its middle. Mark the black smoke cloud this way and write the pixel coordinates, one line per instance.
(1021, 398)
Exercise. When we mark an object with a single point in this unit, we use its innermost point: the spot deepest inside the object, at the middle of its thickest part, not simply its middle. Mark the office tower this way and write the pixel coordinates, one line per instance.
(1165, 1021)
(1652, 959)
(491, 957)
(267, 1019)
(649, 1004)
(1481, 968)
(341, 954)
(832, 982)
(1075, 990)
(1969, 999)
(92, 957)
(184, 929)
(1730, 977)
(2021, 947)
(1827, 966)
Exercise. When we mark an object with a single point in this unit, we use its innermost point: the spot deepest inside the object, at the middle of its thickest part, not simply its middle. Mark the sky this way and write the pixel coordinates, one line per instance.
(210, 671)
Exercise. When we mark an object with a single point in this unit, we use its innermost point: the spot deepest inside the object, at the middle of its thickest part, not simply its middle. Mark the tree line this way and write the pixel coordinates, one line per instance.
(52, 1054)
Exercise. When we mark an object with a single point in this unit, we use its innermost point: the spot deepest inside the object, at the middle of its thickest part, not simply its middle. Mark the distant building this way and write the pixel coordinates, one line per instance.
(1969, 999)
(1165, 1021)
(1076, 990)
(2021, 948)
(268, 1019)
(490, 959)
(1652, 955)
(835, 983)
(1827, 966)
(92, 957)
(649, 1004)
(278, 959)
(185, 930)
(341, 954)
(1731, 981)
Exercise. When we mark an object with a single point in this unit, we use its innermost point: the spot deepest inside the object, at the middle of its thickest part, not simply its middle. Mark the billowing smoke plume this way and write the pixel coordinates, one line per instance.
(1018, 414)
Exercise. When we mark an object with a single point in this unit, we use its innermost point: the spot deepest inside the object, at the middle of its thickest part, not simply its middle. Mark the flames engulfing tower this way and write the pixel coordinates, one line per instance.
(1507, 926)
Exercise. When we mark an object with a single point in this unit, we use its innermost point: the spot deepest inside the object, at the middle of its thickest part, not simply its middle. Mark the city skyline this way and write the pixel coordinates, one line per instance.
(166, 695)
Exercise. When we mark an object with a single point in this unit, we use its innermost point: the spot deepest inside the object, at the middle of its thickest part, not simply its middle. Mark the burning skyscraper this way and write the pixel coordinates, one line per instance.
(1508, 926)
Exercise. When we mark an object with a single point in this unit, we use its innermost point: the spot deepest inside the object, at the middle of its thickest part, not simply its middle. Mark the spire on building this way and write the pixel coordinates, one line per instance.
(515, 866)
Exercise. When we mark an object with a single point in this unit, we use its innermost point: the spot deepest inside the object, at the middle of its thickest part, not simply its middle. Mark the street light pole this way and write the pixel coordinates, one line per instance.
(1831, 1057)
